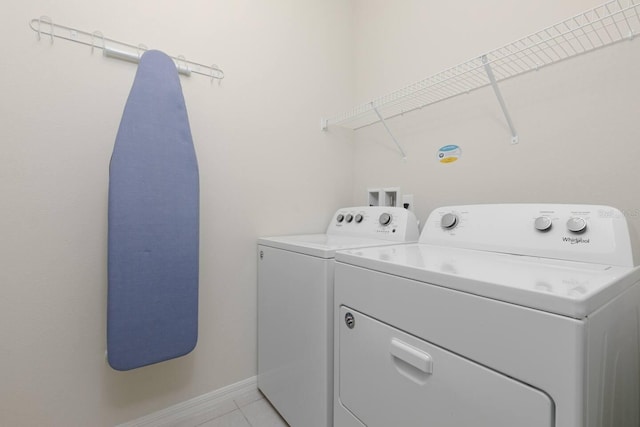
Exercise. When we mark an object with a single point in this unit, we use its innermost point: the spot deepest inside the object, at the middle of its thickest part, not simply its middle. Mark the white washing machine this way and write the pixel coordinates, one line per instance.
(295, 308)
(501, 316)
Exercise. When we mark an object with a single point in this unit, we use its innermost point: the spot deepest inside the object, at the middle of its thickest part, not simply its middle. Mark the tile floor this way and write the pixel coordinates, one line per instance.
(248, 410)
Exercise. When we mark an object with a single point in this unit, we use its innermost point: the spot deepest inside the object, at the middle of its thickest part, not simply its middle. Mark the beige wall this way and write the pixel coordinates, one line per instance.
(263, 164)
(265, 168)
(577, 120)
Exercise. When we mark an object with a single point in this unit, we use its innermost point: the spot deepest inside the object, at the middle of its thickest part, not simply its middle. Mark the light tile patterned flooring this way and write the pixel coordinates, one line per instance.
(248, 410)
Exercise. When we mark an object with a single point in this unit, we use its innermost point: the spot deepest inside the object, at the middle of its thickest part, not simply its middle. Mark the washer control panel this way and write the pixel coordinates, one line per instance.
(377, 222)
(587, 233)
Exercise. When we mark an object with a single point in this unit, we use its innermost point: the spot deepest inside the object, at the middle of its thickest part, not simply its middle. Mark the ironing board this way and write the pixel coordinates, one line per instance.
(153, 238)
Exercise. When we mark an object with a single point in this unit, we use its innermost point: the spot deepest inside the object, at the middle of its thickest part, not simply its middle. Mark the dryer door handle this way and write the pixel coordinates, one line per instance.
(417, 358)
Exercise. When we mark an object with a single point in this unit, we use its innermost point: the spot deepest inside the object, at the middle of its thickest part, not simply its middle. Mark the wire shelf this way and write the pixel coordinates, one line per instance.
(601, 26)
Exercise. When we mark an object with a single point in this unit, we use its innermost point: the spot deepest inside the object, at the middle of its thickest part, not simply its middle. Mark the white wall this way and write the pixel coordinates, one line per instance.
(263, 164)
(577, 120)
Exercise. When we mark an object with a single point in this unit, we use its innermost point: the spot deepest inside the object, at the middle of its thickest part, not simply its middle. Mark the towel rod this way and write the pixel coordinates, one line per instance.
(115, 49)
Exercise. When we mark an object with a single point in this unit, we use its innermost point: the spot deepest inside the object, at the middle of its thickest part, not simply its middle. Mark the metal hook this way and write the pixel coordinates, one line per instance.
(50, 22)
(93, 37)
(214, 68)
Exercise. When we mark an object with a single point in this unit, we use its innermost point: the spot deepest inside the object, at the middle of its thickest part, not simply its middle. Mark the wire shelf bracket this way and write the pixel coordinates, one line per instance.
(384, 123)
(503, 106)
(604, 25)
(115, 49)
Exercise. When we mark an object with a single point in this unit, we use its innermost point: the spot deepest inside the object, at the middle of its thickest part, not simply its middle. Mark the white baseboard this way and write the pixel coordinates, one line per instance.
(193, 407)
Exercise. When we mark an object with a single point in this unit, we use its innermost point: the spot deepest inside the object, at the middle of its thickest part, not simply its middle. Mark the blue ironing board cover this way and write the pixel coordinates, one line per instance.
(152, 309)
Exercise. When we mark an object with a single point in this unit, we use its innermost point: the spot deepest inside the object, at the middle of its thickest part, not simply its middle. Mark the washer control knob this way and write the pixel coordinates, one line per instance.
(449, 221)
(576, 224)
(359, 218)
(542, 223)
(340, 218)
(348, 218)
(385, 219)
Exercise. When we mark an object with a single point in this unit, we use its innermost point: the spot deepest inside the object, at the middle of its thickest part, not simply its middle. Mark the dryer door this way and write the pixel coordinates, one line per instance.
(390, 378)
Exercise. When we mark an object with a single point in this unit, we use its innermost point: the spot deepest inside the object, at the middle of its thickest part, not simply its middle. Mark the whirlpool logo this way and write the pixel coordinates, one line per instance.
(575, 240)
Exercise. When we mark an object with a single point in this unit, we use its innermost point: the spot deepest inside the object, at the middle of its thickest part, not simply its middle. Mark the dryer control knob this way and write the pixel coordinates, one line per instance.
(577, 224)
(340, 218)
(543, 223)
(359, 218)
(449, 221)
(385, 219)
(349, 218)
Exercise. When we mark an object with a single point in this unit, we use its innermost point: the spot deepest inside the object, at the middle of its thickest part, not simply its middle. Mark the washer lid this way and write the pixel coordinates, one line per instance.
(567, 288)
(320, 245)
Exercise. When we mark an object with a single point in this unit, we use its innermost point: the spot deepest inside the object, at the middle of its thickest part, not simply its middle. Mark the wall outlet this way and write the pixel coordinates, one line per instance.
(407, 202)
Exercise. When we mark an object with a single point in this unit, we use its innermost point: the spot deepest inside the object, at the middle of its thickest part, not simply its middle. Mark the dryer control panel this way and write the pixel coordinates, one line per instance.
(378, 222)
(586, 233)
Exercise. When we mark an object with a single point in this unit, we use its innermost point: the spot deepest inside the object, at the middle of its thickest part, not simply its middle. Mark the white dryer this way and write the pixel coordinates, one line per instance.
(295, 308)
(501, 316)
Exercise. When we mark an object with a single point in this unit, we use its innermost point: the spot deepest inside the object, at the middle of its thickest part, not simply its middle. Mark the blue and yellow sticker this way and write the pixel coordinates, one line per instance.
(449, 153)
